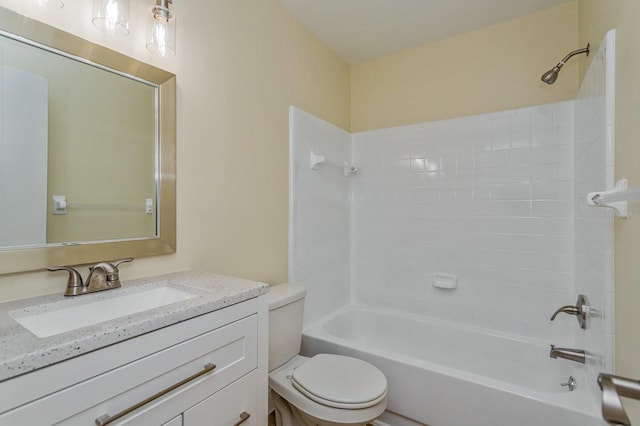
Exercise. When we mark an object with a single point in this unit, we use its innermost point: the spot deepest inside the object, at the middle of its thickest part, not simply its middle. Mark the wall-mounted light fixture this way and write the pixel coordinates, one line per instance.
(51, 4)
(111, 16)
(161, 35)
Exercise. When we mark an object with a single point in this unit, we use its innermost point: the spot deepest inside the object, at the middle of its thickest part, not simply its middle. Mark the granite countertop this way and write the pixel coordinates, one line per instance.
(21, 351)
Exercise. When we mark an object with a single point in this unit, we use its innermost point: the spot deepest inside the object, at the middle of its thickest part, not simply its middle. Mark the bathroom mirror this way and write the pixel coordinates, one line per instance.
(87, 150)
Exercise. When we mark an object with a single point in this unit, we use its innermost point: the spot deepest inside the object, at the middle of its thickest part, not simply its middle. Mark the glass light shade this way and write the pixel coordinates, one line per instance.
(111, 16)
(161, 35)
(50, 4)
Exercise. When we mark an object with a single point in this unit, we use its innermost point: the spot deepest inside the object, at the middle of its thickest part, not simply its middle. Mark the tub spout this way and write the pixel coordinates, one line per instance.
(576, 355)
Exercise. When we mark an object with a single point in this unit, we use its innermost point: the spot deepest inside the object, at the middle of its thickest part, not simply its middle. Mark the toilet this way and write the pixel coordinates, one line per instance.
(324, 390)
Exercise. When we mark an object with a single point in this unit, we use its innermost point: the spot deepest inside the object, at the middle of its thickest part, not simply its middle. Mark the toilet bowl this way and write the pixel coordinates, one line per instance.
(324, 390)
(354, 399)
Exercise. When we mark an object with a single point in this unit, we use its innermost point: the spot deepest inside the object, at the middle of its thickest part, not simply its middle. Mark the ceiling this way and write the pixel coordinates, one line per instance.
(363, 30)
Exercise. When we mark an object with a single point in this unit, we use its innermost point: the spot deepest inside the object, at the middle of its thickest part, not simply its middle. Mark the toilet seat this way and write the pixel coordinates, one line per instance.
(340, 382)
(280, 382)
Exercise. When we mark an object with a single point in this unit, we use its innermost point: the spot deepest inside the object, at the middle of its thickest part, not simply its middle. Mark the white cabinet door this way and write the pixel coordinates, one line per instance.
(177, 421)
(234, 405)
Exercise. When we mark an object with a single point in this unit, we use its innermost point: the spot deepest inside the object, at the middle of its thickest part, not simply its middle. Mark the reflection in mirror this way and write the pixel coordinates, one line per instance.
(82, 134)
(87, 150)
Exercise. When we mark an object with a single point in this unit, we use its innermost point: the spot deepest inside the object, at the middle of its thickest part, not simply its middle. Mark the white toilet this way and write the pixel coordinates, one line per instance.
(325, 390)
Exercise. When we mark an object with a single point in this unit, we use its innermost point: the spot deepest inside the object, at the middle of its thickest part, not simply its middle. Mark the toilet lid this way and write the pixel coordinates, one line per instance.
(340, 381)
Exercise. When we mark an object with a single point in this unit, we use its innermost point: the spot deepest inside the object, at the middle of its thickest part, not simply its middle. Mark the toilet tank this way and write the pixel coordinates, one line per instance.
(286, 309)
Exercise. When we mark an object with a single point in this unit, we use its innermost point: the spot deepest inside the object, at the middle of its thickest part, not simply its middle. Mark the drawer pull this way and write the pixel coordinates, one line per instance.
(105, 419)
(243, 418)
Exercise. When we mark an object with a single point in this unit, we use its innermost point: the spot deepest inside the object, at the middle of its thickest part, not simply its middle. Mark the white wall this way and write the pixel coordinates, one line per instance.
(319, 212)
(486, 198)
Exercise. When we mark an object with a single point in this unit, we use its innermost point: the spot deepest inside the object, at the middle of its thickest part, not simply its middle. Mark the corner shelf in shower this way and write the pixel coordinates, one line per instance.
(617, 198)
(316, 159)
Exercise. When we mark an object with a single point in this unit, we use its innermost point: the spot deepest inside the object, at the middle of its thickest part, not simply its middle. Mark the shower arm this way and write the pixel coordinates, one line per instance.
(571, 54)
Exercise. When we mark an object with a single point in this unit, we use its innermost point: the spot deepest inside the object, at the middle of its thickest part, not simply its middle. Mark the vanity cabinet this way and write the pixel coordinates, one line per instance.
(176, 421)
(209, 370)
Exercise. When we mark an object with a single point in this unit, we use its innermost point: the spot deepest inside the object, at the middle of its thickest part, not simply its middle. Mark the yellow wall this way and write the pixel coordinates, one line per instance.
(491, 69)
(254, 60)
(596, 17)
(240, 64)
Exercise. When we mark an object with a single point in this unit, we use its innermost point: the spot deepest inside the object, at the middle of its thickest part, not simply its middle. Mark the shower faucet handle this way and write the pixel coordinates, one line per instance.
(580, 310)
(567, 309)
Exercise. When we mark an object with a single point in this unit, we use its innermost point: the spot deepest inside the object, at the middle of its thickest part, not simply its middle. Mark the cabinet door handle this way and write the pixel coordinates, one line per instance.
(243, 418)
(106, 419)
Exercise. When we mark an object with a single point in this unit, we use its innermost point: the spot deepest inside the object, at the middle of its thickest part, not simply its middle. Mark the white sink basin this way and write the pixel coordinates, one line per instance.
(61, 317)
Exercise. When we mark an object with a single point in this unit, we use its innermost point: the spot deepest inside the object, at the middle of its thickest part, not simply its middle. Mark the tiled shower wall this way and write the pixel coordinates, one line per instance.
(485, 198)
(492, 200)
(319, 214)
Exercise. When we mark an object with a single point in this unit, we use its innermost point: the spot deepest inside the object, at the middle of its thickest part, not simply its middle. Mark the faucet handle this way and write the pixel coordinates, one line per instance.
(580, 310)
(121, 261)
(111, 267)
(117, 263)
(567, 309)
(74, 282)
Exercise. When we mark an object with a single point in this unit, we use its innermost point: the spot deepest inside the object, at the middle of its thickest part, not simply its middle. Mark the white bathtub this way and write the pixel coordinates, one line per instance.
(443, 374)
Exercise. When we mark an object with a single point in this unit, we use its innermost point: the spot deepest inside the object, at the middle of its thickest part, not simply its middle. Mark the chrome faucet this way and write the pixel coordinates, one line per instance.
(580, 310)
(102, 276)
(576, 355)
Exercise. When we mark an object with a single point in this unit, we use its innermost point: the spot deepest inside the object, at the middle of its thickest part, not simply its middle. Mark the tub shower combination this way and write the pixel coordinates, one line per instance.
(441, 253)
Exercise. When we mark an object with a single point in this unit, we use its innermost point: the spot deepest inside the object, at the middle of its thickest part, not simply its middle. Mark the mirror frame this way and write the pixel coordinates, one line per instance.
(37, 33)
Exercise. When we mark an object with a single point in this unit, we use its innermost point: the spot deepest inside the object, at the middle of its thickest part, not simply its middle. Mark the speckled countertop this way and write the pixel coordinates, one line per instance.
(21, 351)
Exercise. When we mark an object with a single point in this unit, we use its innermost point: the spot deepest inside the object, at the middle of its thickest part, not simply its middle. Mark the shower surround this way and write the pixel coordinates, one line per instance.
(495, 202)
(487, 199)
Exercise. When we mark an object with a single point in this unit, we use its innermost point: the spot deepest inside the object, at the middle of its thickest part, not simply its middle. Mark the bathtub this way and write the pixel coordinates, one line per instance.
(442, 374)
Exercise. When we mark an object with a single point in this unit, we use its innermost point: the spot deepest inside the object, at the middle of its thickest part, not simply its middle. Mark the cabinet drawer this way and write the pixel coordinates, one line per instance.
(229, 407)
(232, 348)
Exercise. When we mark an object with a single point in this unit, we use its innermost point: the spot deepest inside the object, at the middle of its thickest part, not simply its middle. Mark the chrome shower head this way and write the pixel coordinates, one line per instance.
(551, 76)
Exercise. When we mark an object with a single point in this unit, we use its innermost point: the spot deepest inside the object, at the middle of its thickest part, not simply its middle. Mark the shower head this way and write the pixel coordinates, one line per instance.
(551, 76)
